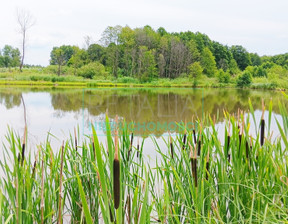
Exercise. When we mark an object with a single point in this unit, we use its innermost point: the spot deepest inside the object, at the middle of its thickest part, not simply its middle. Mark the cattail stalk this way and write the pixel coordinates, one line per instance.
(130, 147)
(76, 147)
(42, 192)
(116, 172)
(60, 187)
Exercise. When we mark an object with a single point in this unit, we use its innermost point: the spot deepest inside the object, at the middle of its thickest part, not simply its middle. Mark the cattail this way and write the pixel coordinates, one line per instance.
(207, 165)
(35, 162)
(116, 172)
(247, 149)
(262, 124)
(75, 139)
(194, 136)
(138, 148)
(23, 146)
(193, 158)
(228, 141)
(60, 186)
(199, 142)
(184, 140)
(194, 132)
(171, 147)
(130, 147)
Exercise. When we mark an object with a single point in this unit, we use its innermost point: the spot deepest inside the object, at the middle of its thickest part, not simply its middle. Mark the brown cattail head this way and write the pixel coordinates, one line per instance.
(138, 147)
(193, 157)
(171, 147)
(199, 141)
(207, 165)
(23, 145)
(116, 170)
(262, 125)
(35, 162)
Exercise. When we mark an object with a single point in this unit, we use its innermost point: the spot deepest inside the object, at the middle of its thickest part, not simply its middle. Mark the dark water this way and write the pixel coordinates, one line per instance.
(152, 110)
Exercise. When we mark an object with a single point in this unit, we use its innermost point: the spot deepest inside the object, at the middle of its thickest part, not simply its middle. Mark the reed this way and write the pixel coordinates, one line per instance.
(85, 184)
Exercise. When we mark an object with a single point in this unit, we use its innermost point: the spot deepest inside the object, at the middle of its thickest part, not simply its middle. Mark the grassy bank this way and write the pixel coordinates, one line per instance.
(39, 77)
(198, 178)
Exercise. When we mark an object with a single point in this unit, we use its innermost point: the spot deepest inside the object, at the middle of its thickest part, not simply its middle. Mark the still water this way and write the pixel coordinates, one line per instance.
(152, 111)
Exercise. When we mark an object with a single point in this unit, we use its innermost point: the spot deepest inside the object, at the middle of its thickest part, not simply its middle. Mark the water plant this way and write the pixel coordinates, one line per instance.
(197, 177)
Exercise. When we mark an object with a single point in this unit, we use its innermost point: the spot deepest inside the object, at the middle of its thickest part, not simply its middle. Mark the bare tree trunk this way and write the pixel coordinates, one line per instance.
(23, 50)
(25, 21)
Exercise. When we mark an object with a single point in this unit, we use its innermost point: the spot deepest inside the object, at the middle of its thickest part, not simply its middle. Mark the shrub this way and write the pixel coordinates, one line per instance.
(92, 69)
(244, 80)
(223, 77)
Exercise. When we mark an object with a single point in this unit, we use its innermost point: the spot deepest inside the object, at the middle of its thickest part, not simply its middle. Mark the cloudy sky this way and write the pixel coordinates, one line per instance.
(260, 26)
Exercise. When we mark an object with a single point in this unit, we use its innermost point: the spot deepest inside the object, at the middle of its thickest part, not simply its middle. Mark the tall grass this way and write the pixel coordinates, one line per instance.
(198, 178)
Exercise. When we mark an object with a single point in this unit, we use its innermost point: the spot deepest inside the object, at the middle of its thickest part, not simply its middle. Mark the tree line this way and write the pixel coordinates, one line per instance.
(147, 54)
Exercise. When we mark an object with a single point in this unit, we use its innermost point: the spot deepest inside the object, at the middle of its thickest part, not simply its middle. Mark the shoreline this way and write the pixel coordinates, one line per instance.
(87, 84)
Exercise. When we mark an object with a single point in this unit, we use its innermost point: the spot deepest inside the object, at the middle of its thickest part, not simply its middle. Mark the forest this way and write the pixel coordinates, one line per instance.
(143, 55)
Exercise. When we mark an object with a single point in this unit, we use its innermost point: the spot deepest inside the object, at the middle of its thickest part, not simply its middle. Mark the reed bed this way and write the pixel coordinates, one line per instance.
(198, 178)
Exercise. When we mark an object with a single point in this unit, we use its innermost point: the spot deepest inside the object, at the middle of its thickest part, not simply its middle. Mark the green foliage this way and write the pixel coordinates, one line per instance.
(244, 80)
(223, 77)
(208, 63)
(241, 56)
(61, 55)
(9, 57)
(195, 72)
(92, 69)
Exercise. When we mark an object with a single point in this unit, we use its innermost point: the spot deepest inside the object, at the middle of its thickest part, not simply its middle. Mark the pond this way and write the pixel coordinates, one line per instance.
(150, 111)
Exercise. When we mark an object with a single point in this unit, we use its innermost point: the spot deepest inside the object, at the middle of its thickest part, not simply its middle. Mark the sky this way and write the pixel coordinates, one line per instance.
(259, 26)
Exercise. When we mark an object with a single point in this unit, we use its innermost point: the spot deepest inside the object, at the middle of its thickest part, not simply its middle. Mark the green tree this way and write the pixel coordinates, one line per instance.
(241, 56)
(9, 57)
(67, 52)
(223, 77)
(233, 67)
(208, 63)
(146, 64)
(59, 58)
(195, 72)
(111, 35)
(78, 59)
(96, 52)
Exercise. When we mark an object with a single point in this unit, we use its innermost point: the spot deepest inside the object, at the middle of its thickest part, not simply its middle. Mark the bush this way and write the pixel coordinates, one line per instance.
(127, 80)
(223, 77)
(244, 80)
(92, 69)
